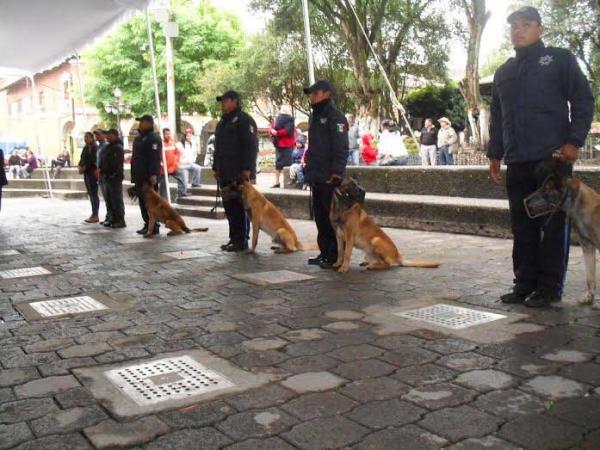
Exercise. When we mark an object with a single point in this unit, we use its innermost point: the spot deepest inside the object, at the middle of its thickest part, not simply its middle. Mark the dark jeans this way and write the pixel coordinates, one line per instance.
(181, 187)
(102, 186)
(446, 158)
(91, 185)
(239, 223)
(143, 210)
(540, 247)
(322, 193)
(114, 198)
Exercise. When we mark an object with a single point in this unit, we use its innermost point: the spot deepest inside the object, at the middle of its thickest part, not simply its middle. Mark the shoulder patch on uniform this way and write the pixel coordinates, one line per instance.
(341, 127)
(235, 119)
(154, 146)
(323, 120)
(252, 129)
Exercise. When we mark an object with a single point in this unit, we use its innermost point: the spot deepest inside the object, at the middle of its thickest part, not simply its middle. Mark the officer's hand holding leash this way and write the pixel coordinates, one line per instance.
(334, 180)
(495, 171)
(567, 153)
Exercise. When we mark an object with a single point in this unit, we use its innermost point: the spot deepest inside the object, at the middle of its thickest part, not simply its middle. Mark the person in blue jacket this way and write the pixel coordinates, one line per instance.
(542, 107)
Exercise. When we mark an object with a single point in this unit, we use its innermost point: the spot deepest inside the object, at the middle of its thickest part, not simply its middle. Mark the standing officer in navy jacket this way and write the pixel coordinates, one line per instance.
(542, 106)
(326, 160)
(236, 147)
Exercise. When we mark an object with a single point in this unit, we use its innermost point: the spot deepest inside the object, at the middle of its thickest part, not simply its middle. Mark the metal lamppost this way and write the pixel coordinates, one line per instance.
(117, 107)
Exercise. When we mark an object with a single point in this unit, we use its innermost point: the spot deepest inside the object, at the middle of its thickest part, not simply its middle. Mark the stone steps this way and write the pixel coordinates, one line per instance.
(64, 194)
(205, 212)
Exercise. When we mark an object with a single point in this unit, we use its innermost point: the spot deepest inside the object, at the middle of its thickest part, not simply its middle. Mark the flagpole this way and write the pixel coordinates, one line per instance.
(308, 41)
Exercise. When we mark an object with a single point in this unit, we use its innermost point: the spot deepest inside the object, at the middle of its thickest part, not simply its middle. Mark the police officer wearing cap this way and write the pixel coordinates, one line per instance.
(145, 163)
(236, 147)
(326, 160)
(542, 107)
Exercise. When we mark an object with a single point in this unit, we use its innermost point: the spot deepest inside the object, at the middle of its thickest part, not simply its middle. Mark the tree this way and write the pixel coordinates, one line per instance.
(476, 16)
(408, 36)
(434, 102)
(123, 60)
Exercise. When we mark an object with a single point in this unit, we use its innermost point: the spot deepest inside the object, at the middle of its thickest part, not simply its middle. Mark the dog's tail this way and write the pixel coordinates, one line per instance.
(307, 247)
(195, 230)
(423, 264)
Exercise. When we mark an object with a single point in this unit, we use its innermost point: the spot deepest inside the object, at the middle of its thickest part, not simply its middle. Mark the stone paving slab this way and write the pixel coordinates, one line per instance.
(336, 368)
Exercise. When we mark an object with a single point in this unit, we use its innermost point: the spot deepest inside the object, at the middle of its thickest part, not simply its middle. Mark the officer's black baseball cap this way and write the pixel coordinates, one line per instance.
(319, 85)
(526, 12)
(113, 131)
(233, 95)
(145, 118)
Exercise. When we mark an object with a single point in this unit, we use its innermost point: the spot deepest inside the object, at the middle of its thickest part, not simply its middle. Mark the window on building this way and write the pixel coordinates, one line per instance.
(66, 93)
(14, 108)
(42, 101)
(26, 104)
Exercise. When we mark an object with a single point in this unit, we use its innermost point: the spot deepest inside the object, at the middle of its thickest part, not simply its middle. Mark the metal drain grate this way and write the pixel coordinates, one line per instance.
(24, 272)
(70, 305)
(167, 379)
(187, 254)
(9, 252)
(448, 316)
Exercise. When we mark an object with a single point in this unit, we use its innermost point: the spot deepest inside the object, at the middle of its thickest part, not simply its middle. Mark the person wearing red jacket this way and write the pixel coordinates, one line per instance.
(367, 151)
(173, 156)
(283, 135)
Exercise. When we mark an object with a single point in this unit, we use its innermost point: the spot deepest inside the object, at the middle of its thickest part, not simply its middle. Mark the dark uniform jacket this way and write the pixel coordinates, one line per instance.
(327, 152)
(3, 180)
(530, 105)
(236, 146)
(87, 159)
(429, 137)
(146, 158)
(111, 165)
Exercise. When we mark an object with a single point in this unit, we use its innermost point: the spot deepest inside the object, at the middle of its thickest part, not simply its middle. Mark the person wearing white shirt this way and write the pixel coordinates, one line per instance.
(188, 159)
(391, 148)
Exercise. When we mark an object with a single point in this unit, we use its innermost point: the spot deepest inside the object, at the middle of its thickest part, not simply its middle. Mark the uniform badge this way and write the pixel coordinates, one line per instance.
(234, 120)
(252, 130)
(546, 60)
(341, 127)
(154, 146)
(324, 120)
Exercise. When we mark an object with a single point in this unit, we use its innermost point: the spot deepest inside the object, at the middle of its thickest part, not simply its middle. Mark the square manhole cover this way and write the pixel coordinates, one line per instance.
(272, 277)
(10, 252)
(167, 379)
(449, 316)
(70, 305)
(187, 254)
(25, 272)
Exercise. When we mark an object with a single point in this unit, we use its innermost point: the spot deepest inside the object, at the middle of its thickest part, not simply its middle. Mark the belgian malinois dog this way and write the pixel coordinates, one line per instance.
(355, 228)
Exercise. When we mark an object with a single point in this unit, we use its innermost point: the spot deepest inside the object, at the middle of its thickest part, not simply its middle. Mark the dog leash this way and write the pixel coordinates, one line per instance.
(217, 198)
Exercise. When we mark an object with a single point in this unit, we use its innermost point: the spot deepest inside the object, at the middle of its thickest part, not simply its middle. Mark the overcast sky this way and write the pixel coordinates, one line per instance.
(493, 35)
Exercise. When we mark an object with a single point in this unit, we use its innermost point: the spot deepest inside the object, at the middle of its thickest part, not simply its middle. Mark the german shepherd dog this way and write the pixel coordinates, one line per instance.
(355, 228)
(159, 209)
(582, 205)
(265, 216)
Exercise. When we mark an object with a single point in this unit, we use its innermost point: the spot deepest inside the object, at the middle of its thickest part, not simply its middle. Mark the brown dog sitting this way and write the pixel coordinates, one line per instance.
(267, 217)
(354, 228)
(159, 209)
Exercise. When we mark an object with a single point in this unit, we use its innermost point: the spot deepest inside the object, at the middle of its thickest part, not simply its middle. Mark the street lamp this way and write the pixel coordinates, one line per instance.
(117, 107)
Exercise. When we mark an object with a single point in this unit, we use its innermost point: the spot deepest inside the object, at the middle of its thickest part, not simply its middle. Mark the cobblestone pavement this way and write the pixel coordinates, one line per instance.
(337, 368)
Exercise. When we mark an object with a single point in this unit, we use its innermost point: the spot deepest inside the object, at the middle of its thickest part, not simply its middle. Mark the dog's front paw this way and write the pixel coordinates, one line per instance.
(587, 300)
(344, 268)
(364, 263)
(147, 236)
(337, 264)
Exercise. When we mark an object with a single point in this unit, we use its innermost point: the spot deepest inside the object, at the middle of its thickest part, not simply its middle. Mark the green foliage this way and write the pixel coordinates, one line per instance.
(123, 59)
(412, 146)
(434, 101)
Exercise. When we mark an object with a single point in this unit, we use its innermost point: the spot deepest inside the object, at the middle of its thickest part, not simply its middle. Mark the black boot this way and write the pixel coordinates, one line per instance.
(316, 260)
(143, 230)
(541, 299)
(517, 296)
(237, 247)
(224, 246)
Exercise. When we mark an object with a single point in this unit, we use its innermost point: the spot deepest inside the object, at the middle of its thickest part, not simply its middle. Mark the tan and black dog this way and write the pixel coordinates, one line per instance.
(159, 209)
(265, 216)
(582, 204)
(354, 228)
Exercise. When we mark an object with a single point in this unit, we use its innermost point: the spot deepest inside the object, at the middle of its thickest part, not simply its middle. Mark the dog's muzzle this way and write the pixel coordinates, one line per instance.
(544, 201)
(352, 195)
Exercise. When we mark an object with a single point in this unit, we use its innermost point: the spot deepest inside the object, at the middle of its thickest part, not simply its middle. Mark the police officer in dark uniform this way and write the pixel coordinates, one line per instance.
(542, 107)
(326, 160)
(236, 147)
(145, 163)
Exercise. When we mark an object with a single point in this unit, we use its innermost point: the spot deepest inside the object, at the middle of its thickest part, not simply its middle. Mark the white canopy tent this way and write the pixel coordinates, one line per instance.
(36, 35)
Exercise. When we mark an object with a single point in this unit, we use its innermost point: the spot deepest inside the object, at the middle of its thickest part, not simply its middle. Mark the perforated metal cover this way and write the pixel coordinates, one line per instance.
(9, 252)
(187, 254)
(167, 379)
(449, 316)
(24, 272)
(70, 305)
(272, 277)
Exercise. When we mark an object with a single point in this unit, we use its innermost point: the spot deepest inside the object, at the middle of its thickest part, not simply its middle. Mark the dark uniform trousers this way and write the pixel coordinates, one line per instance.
(239, 222)
(322, 193)
(541, 246)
